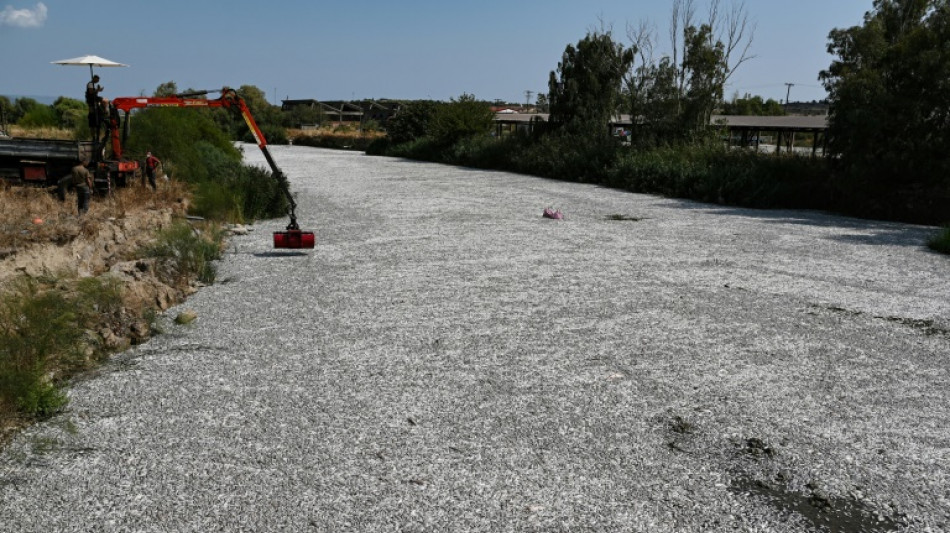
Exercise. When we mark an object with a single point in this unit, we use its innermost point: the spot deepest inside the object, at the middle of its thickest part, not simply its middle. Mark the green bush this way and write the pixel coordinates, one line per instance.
(481, 151)
(422, 149)
(460, 118)
(941, 241)
(237, 193)
(38, 329)
(379, 146)
(560, 155)
(189, 251)
(710, 173)
(99, 300)
(217, 201)
(261, 195)
(273, 134)
(411, 122)
(181, 138)
(704, 171)
(201, 154)
(71, 112)
(41, 116)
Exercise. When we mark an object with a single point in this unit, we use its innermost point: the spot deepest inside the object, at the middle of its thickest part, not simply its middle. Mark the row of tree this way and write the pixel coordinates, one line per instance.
(889, 98)
(671, 97)
(889, 90)
(69, 113)
(65, 112)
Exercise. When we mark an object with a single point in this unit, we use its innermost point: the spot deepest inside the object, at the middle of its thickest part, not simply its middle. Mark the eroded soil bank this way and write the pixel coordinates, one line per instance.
(46, 242)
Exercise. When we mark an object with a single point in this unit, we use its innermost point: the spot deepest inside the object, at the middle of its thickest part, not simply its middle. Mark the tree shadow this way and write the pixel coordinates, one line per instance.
(853, 230)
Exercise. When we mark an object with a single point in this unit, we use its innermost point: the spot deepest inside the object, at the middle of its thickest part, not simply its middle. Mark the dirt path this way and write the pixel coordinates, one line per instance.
(448, 360)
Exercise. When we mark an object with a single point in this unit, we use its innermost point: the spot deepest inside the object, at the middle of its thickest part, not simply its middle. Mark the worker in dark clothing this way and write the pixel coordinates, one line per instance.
(93, 101)
(81, 179)
(151, 167)
(92, 90)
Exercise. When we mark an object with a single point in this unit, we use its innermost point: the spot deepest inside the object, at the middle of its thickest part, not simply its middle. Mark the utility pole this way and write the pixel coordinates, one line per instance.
(787, 93)
(527, 98)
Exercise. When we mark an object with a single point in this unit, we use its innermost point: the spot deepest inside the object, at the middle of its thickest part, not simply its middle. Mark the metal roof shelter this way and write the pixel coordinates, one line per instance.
(749, 129)
(744, 129)
(341, 111)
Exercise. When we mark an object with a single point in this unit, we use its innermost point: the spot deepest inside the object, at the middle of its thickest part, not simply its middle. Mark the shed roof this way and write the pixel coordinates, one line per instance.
(787, 122)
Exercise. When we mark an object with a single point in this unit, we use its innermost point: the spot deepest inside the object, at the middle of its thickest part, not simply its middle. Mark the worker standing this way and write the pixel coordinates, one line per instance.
(151, 167)
(93, 101)
(81, 179)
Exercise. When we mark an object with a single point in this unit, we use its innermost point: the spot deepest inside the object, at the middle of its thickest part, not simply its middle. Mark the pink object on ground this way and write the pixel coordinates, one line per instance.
(550, 213)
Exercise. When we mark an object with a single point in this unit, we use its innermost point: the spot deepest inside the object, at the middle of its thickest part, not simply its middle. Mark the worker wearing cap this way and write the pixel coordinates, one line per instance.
(81, 179)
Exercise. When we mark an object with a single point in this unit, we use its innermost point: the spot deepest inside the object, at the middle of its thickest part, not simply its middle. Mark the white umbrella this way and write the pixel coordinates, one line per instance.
(92, 61)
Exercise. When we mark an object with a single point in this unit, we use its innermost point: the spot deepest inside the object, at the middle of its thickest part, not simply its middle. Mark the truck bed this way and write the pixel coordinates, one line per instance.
(40, 160)
(44, 149)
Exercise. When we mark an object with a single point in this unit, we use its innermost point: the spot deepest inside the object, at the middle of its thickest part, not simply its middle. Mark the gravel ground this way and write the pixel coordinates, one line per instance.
(446, 359)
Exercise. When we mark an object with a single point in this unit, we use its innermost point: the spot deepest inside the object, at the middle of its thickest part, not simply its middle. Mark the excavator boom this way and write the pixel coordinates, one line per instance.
(293, 237)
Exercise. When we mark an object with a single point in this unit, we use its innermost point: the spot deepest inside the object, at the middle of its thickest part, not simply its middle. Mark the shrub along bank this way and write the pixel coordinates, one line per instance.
(705, 172)
(56, 324)
(52, 328)
(194, 149)
(340, 138)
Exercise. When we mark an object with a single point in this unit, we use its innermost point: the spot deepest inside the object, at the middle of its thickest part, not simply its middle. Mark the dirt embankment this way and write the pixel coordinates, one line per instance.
(43, 239)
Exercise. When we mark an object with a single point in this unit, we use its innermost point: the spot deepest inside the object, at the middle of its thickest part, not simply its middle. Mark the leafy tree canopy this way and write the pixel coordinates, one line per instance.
(460, 118)
(411, 122)
(70, 112)
(584, 92)
(175, 136)
(169, 88)
(674, 97)
(752, 105)
(40, 116)
(889, 92)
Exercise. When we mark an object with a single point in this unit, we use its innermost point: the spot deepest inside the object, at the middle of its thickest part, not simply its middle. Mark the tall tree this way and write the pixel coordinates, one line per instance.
(673, 97)
(585, 92)
(169, 88)
(71, 112)
(411, 121)
(705, 65)
(889, 92)
(462, 117)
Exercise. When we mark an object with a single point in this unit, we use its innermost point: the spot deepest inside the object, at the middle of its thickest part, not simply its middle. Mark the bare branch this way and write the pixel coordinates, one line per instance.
(643, 39)
(683, 14)
(739, 34)
(713, 21)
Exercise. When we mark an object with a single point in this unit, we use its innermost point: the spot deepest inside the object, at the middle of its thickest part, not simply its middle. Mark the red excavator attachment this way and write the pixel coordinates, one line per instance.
(293, 238)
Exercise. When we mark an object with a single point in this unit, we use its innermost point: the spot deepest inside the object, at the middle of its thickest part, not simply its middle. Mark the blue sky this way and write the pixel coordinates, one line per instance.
(352, 49)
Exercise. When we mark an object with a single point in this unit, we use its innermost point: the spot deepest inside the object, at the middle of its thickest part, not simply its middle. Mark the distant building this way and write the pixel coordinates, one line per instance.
(349, 112)
(807, 108)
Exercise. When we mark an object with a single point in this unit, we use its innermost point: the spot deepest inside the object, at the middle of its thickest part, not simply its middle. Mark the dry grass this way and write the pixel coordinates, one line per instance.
(41, 133)
(34, 215)
(342, 132)
(63, 307)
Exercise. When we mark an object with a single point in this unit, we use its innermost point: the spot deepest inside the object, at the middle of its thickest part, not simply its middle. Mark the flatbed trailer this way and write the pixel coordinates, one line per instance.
(42, 162)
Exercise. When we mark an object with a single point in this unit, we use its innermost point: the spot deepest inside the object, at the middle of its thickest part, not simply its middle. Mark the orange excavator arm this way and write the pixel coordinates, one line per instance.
(229, 99)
